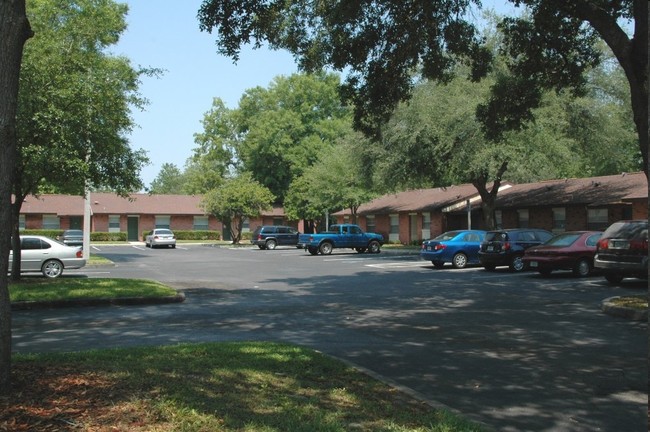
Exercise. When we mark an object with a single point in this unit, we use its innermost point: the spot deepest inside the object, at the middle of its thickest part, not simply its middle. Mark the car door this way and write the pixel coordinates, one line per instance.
(472, 244)
(283, 235)
(33, 252)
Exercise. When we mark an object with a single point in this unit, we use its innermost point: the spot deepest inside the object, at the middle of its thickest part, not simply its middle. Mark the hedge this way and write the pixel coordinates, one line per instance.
(191, 235)
(94, 236)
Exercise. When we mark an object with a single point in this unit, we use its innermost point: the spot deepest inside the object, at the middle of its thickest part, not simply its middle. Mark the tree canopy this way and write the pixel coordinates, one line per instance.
(382, 44)
(236, 199)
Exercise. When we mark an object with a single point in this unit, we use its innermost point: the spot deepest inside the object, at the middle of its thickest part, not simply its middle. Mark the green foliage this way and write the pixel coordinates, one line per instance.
(75, 101)
(381, 43)
(191, 234)
(170, 180)
(286, 127)
(238, 198)
(94, 236)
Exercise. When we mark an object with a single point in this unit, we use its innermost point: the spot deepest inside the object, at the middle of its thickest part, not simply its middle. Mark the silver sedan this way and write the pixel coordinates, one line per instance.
(48, 256)
(160, 237)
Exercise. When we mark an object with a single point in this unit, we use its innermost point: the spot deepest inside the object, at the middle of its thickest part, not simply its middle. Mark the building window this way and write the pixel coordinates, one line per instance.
(163, 222)
(597, 219)
(394, 224)
(559, 219)
(426, 221)
(522, 216)
(200, 223)
(246, 225)
(278, 221)
(113, 223)
(51, 222)
(498, 218)
(370, 223)
(21, 222)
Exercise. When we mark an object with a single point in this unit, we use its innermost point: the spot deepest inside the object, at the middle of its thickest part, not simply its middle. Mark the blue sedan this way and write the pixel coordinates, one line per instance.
(460, 248)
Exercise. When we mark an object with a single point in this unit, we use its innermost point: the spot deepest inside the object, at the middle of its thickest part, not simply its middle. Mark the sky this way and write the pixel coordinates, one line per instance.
(165, 34)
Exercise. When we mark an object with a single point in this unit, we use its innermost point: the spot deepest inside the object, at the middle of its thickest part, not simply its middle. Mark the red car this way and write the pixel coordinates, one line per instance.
(573, 250)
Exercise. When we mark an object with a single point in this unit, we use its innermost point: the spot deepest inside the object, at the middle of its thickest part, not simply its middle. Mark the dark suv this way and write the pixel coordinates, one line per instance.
(506, 247)
(270, 236)
(622, 251)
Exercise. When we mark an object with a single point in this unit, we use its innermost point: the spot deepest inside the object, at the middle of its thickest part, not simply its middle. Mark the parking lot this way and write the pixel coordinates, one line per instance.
(515, 351)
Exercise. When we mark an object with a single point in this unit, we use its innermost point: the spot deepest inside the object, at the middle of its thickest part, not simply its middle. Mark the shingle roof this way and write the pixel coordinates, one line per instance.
(108, 203)
(593, 191)
(420, 200)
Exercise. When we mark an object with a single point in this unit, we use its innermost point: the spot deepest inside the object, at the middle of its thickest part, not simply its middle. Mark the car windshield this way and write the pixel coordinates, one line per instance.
(163, 231)
(447, 236)
(563, 240)
(73, 233)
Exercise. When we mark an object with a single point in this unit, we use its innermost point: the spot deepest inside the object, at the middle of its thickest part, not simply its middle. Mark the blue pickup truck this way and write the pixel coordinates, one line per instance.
(341, 236)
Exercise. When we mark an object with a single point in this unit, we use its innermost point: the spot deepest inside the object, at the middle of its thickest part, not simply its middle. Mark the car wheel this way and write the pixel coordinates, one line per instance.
(312, 250)
(271, 244)
(517, 264)
(438, 264)
(52, 269)
(614, 278)
(325, 248)
(374, 247)
(582, 268)
(459, 260)
(360, 250)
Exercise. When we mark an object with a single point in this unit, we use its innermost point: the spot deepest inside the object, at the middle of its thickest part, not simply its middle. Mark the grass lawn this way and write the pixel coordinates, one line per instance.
(245, 386)
(66, 288)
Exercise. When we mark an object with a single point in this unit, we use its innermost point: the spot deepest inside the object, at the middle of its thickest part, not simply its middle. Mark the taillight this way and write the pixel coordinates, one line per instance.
(80, 254)
(506, 246)
(259, 237)
(603, 243)
(639, 245)
(440, 247)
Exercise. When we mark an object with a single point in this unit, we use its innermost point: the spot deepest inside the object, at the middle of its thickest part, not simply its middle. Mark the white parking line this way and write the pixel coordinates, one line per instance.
(402, 264)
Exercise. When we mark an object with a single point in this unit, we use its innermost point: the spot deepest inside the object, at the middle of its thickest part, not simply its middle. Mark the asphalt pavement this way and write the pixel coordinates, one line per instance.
(517, 352)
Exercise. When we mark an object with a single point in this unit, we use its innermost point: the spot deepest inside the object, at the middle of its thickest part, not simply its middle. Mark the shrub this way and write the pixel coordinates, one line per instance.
(191, 235)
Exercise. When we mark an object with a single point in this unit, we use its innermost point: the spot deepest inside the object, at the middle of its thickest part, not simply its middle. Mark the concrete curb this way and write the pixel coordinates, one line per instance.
(124, 301)
(608, 307)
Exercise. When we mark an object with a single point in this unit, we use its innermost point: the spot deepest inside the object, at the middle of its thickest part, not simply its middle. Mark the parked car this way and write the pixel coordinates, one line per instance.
(160, 237)
(573, 250)
(622, 251)
(270, 236)
(48, 256)
(506, 247)
(73, 237)
(460, 248)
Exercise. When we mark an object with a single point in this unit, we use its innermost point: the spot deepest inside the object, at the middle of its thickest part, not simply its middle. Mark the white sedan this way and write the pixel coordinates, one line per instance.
(48, 256)
(160, 237)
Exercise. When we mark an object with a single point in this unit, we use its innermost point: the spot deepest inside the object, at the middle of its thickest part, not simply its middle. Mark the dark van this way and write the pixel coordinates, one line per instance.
(270, 236)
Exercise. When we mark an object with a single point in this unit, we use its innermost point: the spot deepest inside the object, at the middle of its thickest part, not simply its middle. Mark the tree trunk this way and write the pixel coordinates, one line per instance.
(489, 197)
(15, 237)
(14, 32)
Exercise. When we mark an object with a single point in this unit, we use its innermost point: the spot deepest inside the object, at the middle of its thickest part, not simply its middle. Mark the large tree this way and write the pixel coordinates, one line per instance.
(381, 43)
(74, 105)
(14, 32)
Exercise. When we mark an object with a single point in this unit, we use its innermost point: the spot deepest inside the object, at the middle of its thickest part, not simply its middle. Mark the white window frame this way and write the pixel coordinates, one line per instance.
(393, 234)
(371, 223)
(163, 221)
(559, 219)
(201, 223)
(51, 222)
(114, 223)
(498, 218)
(597, 218)
(21, 222)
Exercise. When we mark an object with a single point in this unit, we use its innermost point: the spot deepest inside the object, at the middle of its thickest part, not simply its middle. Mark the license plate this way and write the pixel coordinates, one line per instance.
(429, 248)
(619, 244)
(490, 248)
(533, 264)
